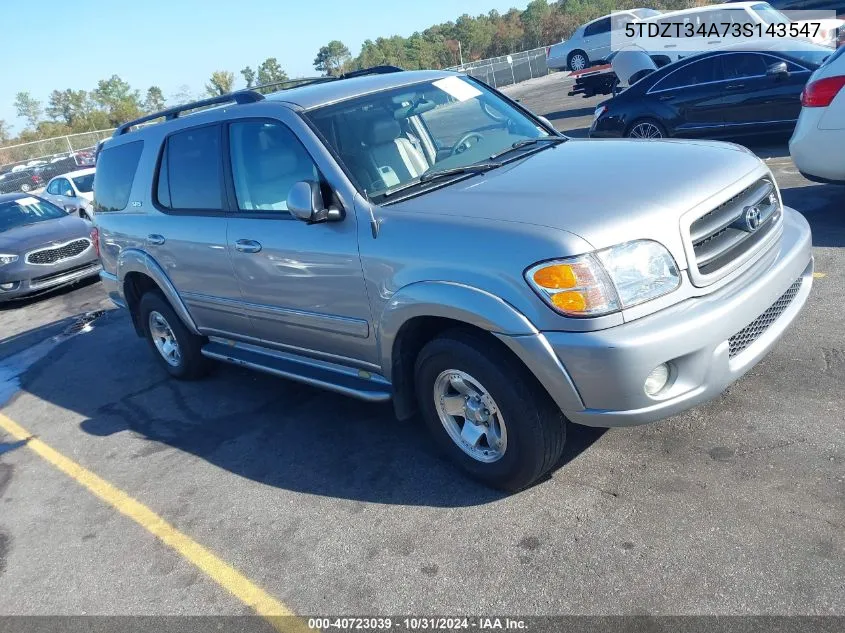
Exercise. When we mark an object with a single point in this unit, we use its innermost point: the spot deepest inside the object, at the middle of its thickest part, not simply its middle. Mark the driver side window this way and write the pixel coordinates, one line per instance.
(267, 160)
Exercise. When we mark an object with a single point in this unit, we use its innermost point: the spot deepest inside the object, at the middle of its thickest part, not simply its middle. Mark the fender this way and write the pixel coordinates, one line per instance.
(134, 260)
(448, 300)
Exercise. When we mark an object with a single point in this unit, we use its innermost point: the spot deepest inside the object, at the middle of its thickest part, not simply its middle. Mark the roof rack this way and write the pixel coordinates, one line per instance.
(240, 97)
(374, 70)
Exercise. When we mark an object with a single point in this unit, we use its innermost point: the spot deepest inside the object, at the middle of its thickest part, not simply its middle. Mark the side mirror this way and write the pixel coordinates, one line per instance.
(546, 121)
(778, 69)
(305, 202)
(69, 193)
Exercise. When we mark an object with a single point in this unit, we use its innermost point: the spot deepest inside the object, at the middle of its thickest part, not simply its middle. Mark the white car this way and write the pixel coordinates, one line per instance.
(73, 192)
(710, 26)
(817, 144)
(591, 42)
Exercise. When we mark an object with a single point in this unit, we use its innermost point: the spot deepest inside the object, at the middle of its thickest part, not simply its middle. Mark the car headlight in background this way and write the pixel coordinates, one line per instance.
(7, 259)
(599, 111)
(606, 281)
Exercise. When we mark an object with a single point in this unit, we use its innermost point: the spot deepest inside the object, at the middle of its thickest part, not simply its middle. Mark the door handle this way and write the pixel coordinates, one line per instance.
(714, 41)
(734, 86)
(248, 246)
(670, 46)
(665, 97)
(154, 239)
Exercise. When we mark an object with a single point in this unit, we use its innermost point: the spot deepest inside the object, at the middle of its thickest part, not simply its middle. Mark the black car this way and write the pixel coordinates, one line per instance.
(736, 90)
(23, 180)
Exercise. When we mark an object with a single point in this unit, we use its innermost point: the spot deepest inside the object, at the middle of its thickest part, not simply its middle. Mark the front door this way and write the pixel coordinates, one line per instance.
(755, 99)
(692, 97)
(302, 284)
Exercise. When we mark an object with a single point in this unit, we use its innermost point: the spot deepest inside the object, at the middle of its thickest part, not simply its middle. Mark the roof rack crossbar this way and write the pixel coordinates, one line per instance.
(306, 81)
(374, 70)
(240, 97)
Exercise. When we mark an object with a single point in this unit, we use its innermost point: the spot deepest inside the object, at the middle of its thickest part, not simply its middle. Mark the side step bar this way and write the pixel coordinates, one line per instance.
(346, 380)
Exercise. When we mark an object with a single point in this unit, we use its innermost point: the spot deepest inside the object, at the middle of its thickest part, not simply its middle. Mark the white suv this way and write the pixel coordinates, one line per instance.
(816, 145)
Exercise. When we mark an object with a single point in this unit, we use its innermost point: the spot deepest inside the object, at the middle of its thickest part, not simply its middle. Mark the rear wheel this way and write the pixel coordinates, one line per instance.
(577, 60)
(25, 187)
(646, 129)
(177, 349)
(486, 412)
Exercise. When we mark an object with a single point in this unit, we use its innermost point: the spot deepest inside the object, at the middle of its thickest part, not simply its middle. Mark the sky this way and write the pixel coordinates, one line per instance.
(171, 43)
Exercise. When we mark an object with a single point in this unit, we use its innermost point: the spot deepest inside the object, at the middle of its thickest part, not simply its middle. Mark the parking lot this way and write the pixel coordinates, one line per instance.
(320, 504)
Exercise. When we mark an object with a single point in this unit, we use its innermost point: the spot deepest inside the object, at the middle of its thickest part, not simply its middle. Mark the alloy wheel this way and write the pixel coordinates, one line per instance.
(645, 130)
(164, 339)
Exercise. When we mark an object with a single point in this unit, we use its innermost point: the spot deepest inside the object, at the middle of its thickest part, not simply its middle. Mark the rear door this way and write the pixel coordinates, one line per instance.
(188, 237)
(692, 98)
(755, 99)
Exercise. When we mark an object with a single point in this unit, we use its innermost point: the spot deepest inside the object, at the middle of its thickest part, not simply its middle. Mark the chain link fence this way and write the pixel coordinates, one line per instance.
(508, 69)
(79, 148)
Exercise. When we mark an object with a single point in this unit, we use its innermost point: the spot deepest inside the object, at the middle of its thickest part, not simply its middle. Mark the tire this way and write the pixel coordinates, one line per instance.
(645, 124)
(84, 216)
(530, 428)
(579, 58)
(156, 316)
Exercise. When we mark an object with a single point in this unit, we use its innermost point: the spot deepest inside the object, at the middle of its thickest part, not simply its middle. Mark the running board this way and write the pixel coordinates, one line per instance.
(340, 378)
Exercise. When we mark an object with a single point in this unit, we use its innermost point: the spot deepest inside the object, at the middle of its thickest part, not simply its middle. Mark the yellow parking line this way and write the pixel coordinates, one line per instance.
(219, 571)
(819, 275)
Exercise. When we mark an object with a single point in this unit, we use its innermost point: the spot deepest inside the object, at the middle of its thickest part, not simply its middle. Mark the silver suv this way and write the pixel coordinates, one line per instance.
(417, 236)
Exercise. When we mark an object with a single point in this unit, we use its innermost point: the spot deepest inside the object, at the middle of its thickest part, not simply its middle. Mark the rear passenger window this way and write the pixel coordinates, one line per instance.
(189, 173)
(692, 74)
(740, 65)
(598, 27)
(116, 167)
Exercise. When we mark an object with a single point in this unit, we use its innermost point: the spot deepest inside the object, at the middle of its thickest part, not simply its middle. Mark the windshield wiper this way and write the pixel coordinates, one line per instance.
(552, 140)
(474, 168)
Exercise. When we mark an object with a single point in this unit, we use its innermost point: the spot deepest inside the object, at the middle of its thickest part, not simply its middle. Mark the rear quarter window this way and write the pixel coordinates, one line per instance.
(116, 169)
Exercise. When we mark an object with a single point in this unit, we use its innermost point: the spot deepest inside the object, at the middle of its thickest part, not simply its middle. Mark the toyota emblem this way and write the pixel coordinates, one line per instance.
(752, 219)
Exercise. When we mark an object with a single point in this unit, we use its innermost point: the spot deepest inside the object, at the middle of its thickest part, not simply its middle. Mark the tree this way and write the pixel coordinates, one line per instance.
(5, 132)
(270, 72)
(332, 58)
(183, 95)
(221, 83)
(155, 100)
(118, 99)
(28, 108)
(71, 107)
(249, 76)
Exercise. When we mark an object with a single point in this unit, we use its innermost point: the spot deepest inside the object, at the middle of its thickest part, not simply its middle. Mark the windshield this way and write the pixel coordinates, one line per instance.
(390, 139)
(770, 15)
(85, 183)
(28, 210)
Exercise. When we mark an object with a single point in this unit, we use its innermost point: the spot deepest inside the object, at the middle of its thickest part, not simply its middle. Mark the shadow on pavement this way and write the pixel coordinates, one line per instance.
(824, 208)
(23, 302)
(270, 430)
(570, 114)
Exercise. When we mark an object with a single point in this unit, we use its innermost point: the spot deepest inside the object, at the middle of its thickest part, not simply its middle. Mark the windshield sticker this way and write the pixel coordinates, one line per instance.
(27, 201)
(457, 88)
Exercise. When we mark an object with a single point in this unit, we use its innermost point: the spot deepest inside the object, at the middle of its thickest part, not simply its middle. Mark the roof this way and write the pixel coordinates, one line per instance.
(17, 195)
(734, 6)
(324, 93)
(78, 172)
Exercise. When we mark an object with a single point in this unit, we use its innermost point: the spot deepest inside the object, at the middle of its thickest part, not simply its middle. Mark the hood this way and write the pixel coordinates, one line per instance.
(604, 191)
(25, 238)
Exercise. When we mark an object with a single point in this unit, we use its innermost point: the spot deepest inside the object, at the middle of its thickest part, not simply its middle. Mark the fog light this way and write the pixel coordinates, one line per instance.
(9, 286)
(657, 379)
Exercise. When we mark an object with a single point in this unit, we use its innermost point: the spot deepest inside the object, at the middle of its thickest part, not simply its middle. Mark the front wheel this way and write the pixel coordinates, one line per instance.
(646, 129)
(487, 412)
(178, 350)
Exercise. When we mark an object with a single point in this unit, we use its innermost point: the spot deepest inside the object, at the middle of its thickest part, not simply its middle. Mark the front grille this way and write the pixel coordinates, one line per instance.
(45, 280)
(751, 332)
(735, 228)
(55, 254)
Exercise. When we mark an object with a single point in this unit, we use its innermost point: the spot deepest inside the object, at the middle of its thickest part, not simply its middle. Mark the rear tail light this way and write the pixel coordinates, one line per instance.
(819, 93)
(95, 239)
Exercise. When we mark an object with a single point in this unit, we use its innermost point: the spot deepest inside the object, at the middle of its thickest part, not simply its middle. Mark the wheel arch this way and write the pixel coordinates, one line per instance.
(138, 273)
(421, 311)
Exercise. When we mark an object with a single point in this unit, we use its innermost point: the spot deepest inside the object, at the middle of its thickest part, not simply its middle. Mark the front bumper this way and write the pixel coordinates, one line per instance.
(28, 281)
(608, 368)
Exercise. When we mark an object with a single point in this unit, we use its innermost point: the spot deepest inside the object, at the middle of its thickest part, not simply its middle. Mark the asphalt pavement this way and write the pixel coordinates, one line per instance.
(331, 505)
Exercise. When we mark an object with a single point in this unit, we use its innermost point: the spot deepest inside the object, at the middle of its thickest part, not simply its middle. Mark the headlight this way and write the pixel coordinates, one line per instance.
(599, 111)
(606, 281)
(7, 259)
